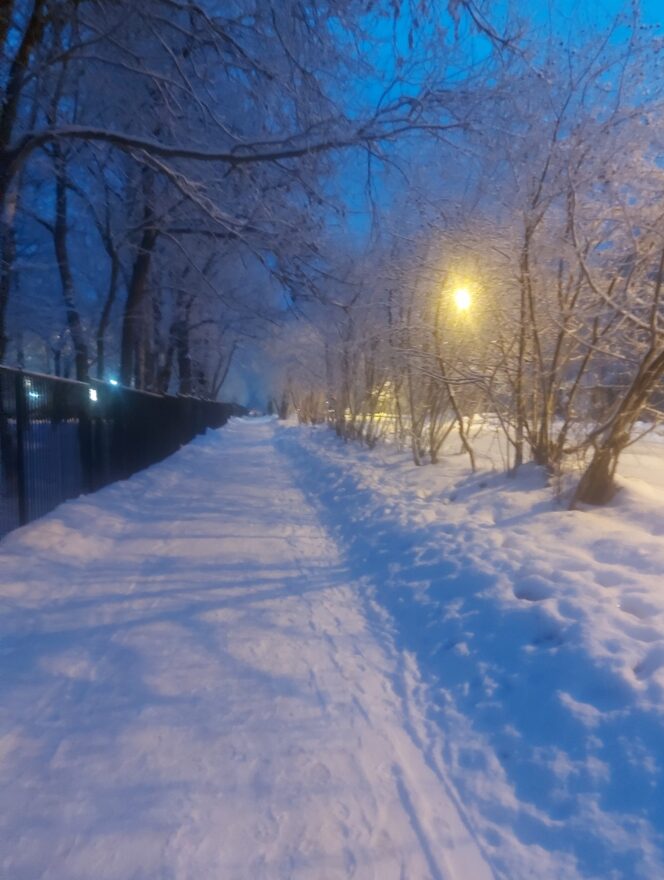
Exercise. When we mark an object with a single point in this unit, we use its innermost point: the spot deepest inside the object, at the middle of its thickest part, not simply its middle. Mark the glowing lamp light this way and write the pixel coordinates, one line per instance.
(462, 299)
(93, 394)
(113, 382)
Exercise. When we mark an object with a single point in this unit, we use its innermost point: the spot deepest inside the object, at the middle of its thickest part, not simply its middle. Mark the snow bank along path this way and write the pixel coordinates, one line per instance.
(538, 636)
(191, 689)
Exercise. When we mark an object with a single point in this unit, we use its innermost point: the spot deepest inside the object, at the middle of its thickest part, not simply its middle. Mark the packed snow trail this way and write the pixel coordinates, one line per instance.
(191, 689)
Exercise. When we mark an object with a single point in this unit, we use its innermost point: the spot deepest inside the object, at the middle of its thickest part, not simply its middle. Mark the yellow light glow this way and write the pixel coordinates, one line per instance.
(462, 299)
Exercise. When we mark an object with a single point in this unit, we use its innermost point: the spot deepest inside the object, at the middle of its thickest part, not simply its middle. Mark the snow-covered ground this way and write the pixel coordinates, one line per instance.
(191, 689)
(278, 656)
(538, 635)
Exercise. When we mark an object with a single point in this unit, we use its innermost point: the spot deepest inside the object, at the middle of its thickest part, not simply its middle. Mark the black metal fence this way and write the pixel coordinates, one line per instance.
(60, 438)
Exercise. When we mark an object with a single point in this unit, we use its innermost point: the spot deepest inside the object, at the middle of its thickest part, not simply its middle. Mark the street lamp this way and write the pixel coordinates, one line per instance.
(462, 299)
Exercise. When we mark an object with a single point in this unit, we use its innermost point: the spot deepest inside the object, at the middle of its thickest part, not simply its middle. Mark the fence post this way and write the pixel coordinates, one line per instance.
(21, 432)
(85, 440)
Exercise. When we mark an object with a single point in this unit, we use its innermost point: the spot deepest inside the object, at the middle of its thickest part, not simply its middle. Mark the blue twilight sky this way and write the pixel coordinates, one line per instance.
(569, 20)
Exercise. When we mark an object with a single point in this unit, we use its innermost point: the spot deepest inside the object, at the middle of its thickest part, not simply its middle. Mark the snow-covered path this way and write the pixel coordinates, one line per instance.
(191, 688)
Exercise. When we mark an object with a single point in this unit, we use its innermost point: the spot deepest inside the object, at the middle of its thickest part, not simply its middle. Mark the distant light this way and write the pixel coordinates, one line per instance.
(34, 395)
(113, 382)
(93, 394)
(462, 299)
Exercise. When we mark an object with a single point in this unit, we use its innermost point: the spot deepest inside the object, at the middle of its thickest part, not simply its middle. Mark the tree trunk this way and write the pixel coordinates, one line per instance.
(284, 405)
(456, 409)
(105, 317)
(133, 312)
(64, 269)
(9, 159)
(183, 356)
(5, 20)
(7, 254)
(222, 371)
(520, 404)
(597, 485)
(166, 368)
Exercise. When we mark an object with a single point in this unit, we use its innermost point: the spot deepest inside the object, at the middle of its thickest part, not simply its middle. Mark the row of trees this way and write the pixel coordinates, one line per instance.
(553, 232)
(163, 168)
(176, 177)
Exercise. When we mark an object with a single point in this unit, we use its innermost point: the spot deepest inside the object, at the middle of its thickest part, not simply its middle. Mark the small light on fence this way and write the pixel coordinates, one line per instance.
(113, 382)
(93, 394)
(33, 395)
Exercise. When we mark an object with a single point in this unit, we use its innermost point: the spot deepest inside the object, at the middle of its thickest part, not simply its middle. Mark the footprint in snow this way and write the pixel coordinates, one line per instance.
(609, 578)
(642, 633)
(341, 810)
(266, 828)
(533, 589)
(319, 774)
(653, 661)
(637, 607)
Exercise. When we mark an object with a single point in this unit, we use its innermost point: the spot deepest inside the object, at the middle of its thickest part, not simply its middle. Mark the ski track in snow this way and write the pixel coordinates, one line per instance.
(192, 687)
